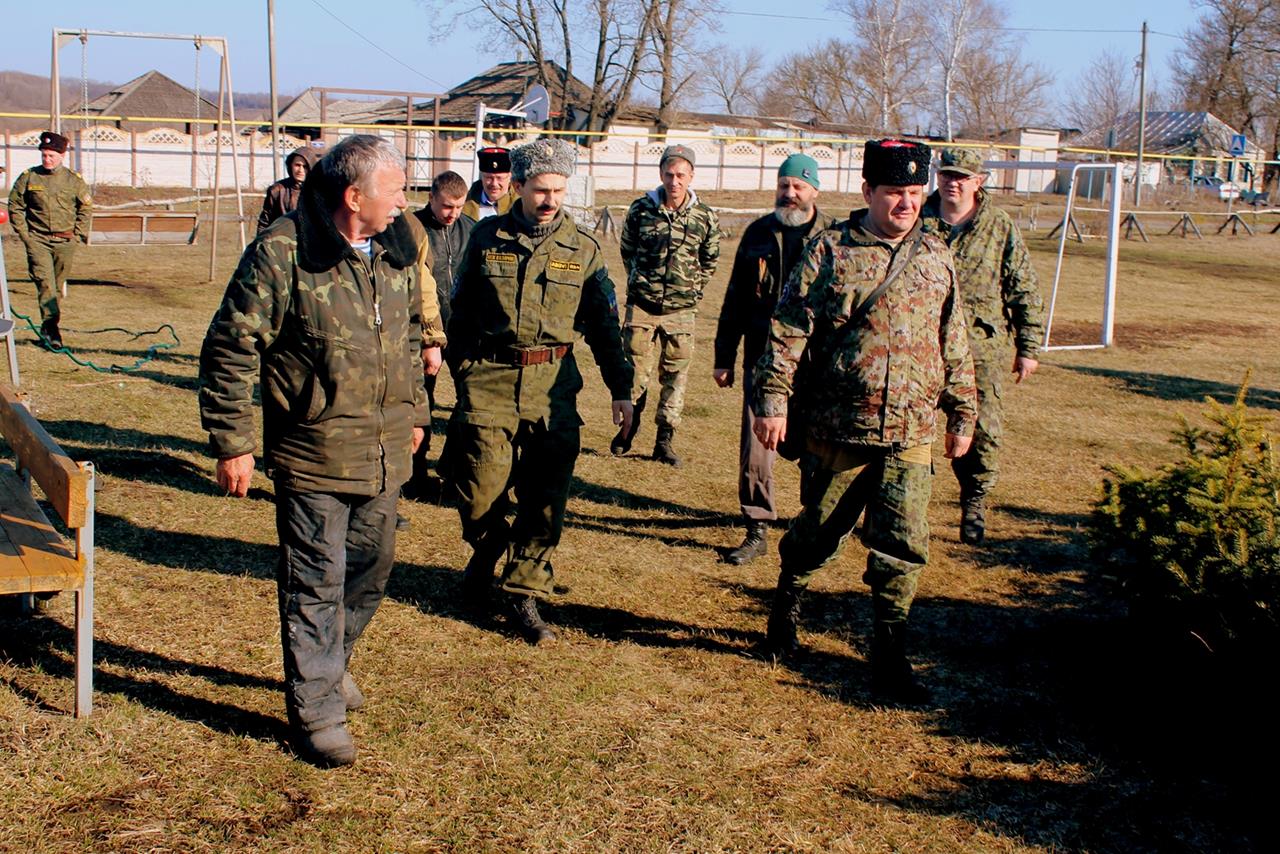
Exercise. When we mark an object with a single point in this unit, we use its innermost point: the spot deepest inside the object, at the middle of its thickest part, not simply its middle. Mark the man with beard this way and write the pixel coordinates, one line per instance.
(492, 194)
(875, 304)
(1001, 300)
(769, 250)
(530, 283)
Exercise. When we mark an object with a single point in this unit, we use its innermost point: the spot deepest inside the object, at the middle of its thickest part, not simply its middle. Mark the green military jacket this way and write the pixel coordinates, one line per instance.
(43, 203)
(513, 294)
(335, 338)
(882, 381)
(669, 255)
(997, 282)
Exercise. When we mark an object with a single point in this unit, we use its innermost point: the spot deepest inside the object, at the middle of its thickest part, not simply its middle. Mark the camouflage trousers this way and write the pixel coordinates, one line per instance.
(893, 488)
(978, 470)
(667, 340)
(481, 462)
(48, 262)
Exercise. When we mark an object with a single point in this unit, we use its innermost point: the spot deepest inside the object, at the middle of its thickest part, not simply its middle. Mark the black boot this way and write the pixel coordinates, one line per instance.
(753, 545)
(892, 679)
(622, 442)
(52, 335)
(527, 620)
(663, 452)
(973, 525)
(477, 579)
(784, 618)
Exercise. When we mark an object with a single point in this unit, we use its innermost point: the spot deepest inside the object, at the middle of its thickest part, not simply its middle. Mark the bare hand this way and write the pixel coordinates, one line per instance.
(955, 446)
(623, 412)
(1024, 367)
(723, 377)
(771, 430)
(234, 474)
(431, 360)
(419, 434)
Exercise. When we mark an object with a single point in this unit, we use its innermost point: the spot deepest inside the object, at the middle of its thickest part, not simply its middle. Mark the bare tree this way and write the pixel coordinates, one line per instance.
(674, 50)
(822, 83)
(998, 90)
(891, 56)
(957, 27)
(1103, 92)
(731, 78)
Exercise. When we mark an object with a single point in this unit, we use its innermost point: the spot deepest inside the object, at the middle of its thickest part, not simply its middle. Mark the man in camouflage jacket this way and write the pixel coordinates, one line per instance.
(325, 309)
(51, 209)
(1001, 300)
(670, 246)
(531, 281)
(877, 378)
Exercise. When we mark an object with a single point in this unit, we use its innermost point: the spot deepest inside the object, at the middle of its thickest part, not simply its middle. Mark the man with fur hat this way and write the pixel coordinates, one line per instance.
(1001, 300)
(50, 208)
(282, 196)
(874, 308)
(768, 253)
(531, 282)
(325, 311)
(492, 194)
(670, 246)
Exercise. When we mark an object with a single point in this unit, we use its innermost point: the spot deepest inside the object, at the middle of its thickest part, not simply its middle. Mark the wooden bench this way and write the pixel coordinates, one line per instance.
(144, 228)
(34, 558)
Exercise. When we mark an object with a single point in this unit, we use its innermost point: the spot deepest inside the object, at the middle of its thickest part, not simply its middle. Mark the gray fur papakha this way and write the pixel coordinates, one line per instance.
(541, 156)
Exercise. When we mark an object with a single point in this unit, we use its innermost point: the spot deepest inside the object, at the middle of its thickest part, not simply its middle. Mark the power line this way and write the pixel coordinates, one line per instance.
(378, 47)
(828, 20)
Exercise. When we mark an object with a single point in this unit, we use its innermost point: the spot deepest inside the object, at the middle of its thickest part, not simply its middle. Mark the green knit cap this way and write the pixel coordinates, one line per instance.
(801, 166)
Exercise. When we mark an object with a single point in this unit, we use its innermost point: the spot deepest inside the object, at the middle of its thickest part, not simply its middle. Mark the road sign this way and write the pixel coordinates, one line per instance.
(1238, 143)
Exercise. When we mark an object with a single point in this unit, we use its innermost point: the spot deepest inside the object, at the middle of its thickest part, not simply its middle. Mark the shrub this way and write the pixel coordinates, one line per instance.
(1195, 543)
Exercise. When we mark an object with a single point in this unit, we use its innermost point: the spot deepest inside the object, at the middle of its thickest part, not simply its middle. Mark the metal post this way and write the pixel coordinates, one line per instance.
(275, 108)
(1113, 252)
(217, 164)
(55, 94)
(1142, 117)
(475, 161)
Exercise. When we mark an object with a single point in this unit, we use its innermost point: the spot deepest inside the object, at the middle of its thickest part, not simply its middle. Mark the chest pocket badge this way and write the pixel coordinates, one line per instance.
(565, 266)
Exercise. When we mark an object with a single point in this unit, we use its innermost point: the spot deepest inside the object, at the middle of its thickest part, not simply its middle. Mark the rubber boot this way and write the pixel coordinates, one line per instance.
(528, 622)
(892, 679)
(663, 452)
(973, 525)
(753, 545)
(784, 618)
(622, 442)
(477, 579)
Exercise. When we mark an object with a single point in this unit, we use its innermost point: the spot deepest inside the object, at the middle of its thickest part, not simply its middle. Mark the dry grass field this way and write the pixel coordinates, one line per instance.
(654, 724)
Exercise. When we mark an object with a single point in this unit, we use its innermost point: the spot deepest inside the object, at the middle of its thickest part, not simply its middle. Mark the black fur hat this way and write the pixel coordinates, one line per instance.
(896, 162)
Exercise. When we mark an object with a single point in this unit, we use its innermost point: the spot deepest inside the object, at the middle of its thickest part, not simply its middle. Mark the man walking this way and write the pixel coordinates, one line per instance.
(325, 307)
(875, 305)
(1001, 299)
(670, 246)
(491, 195)
(768, 253)
(531, 282)
(50, 208)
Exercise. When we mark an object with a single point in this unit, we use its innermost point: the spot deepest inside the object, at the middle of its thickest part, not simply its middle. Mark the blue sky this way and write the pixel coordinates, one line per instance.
(316, 45)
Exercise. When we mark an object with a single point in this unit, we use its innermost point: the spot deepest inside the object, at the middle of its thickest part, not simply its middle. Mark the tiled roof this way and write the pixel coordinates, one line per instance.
(151, 95)
(1167, 132)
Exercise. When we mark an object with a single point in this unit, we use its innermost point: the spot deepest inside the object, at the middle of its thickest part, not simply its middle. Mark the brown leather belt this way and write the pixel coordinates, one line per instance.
(523, 357)
(65, 235)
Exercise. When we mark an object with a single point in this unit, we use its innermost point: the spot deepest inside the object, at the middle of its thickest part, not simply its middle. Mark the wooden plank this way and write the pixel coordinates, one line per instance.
(33, 557)
(60, 478)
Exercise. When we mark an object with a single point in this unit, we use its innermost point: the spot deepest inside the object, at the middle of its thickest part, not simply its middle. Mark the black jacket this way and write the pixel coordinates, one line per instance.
(447, 244)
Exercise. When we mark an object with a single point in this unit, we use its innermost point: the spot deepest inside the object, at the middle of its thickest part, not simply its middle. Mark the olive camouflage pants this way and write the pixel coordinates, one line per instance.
(978, 470)
(667, 341)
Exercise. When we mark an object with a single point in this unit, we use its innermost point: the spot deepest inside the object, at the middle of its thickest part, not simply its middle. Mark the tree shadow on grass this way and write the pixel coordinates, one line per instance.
(1176, 388)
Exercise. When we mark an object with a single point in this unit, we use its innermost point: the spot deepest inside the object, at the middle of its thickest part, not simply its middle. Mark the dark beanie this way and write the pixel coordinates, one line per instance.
(896, 162)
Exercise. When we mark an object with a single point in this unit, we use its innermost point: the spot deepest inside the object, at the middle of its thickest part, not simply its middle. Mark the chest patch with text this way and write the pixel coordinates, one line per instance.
(501, 257)
(571, 266)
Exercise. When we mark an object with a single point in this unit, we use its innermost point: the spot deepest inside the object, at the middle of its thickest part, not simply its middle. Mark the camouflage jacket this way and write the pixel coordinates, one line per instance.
(759, 271)
(336, 338)
(43, 203)
(669, 255)
(515, 293)
(997, 282)
(476, 194)
(880, 382)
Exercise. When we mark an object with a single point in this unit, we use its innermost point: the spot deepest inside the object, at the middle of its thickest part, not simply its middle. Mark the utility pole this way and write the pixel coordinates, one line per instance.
(1142, 117)
(275, 110)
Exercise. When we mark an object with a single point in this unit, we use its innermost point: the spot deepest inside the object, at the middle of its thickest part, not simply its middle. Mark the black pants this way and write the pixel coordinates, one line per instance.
(336, 553)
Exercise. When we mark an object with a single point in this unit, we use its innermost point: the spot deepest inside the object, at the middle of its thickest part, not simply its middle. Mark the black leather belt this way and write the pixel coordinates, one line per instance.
(523, 357)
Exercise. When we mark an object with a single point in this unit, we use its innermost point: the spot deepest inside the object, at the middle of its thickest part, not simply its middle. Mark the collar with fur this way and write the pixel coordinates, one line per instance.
(321, 246)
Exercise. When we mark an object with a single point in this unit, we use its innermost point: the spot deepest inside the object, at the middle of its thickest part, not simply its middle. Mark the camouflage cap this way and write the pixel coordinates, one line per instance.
(895, 162)
(53, 141)
(540, 157)
(962, 161)
(684, 152)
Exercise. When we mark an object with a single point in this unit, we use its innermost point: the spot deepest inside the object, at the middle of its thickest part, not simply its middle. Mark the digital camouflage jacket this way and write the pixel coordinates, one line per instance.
(669, 255)
(997, 282)
(513, 293)
(335, 339)
(44, 203)
(881, 382)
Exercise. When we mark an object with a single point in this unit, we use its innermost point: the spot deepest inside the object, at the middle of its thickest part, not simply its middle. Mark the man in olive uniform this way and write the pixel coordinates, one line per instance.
(768, 253)
(670, 246)
(492, 194)
(875, 305)
(531, 281)
(325, 312)
(1001, 299)
(50, 208)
